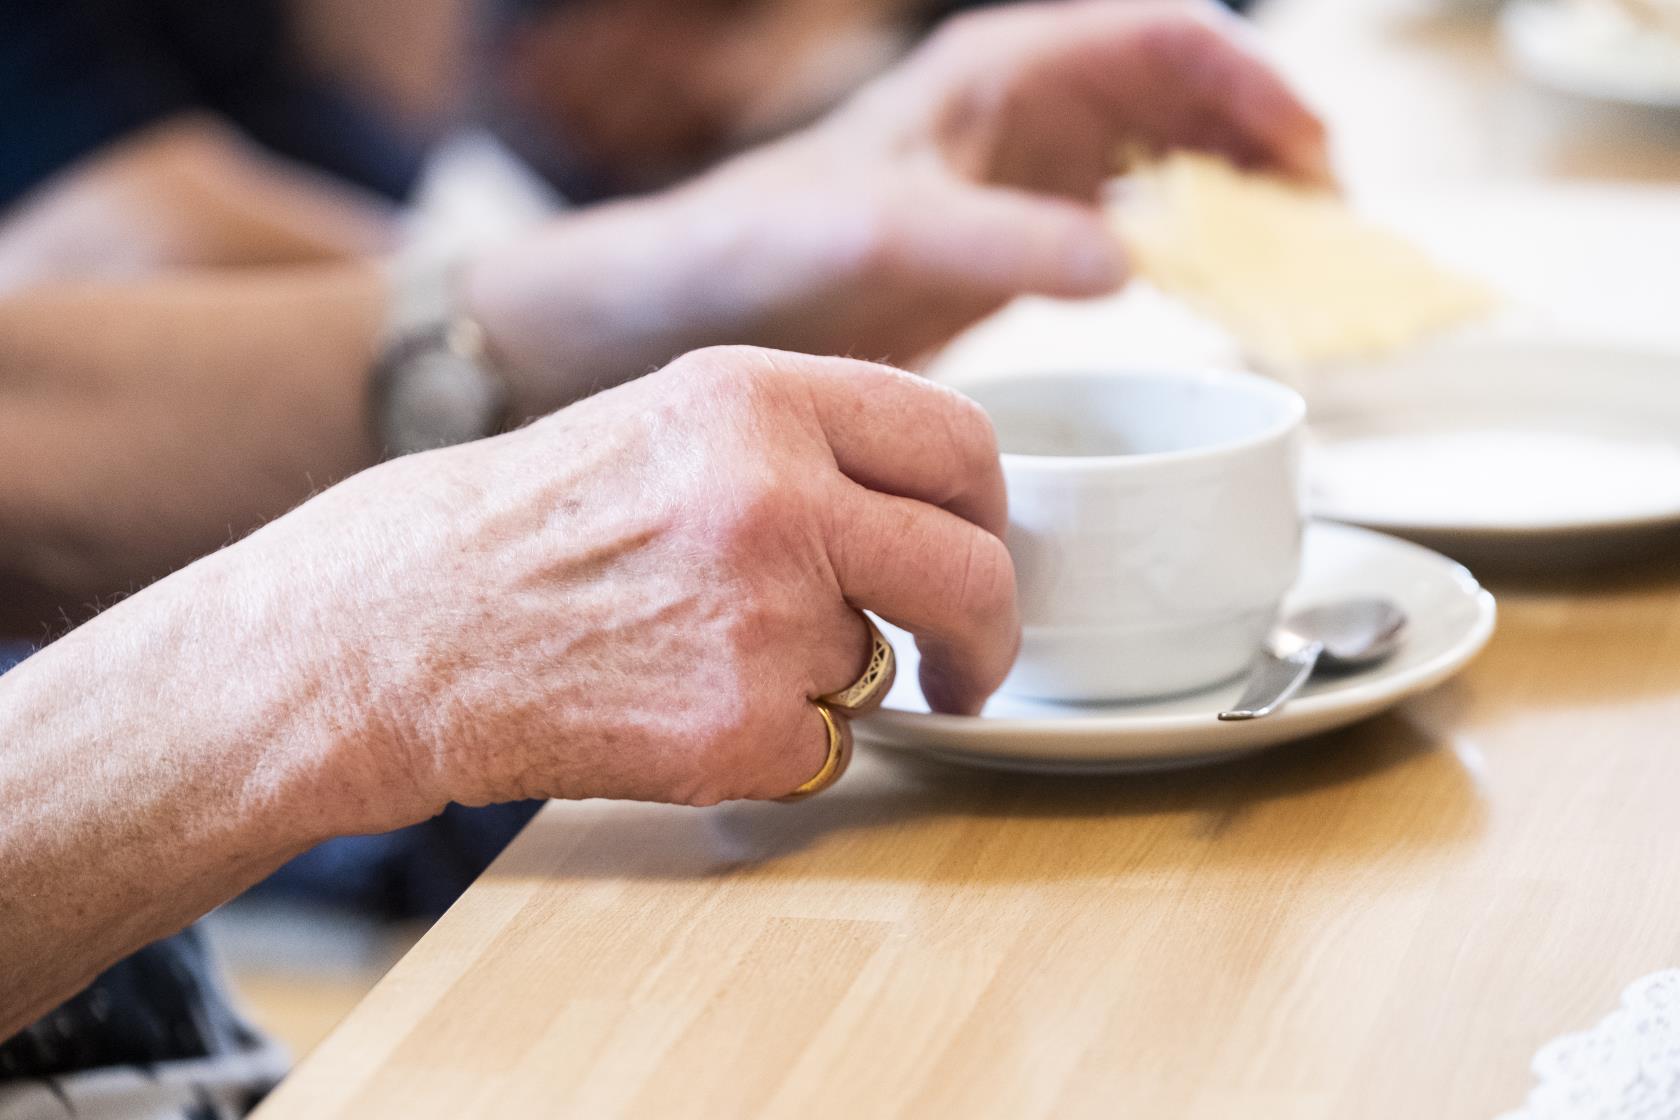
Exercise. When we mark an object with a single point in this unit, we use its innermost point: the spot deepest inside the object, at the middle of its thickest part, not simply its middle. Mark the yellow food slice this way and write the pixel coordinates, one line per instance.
(1293, 273)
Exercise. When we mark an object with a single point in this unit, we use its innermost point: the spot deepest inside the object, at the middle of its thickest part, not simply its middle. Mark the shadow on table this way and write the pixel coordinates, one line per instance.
(1384, 790)
(1651, 566)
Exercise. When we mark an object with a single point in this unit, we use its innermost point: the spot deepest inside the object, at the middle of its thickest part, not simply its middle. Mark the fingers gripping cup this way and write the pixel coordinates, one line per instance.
(1155, 523)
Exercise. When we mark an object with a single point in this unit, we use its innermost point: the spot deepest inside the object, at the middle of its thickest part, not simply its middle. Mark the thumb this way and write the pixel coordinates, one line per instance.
(1007, 242)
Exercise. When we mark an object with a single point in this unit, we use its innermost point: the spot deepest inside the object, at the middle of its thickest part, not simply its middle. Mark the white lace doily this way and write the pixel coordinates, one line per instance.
(1626, 1068)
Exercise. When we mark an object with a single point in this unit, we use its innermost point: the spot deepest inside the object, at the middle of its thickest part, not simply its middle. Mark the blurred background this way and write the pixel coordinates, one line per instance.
(1536, 143)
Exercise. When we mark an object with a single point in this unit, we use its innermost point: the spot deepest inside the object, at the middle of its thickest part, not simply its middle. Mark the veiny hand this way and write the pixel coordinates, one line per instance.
(639, 596)
(964, 177)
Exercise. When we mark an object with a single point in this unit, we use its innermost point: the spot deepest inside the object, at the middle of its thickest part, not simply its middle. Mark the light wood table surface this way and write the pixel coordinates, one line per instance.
(1384, 922)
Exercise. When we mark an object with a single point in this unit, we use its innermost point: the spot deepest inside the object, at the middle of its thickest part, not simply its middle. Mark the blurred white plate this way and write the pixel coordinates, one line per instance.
(1502, 452)
(1591, 51)
(1451, 620)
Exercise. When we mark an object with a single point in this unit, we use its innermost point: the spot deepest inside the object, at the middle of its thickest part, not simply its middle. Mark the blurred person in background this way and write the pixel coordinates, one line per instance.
(194, 337)
(162, 133)
(690, 83)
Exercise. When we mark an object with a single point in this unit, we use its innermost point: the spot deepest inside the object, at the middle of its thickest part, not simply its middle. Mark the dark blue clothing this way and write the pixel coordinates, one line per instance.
(154, 1006)
(12, 653)
(76, 75)
(415, 872)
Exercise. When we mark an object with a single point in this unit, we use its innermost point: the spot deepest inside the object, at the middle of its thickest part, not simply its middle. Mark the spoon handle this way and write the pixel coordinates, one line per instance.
(1273, 680)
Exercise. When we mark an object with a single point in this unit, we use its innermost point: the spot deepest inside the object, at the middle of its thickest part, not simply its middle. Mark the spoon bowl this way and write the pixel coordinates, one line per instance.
(1354, 633)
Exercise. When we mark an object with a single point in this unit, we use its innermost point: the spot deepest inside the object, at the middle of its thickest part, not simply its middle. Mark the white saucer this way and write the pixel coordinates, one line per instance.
(1451, 620)
(1589, 51)
(1504, 453)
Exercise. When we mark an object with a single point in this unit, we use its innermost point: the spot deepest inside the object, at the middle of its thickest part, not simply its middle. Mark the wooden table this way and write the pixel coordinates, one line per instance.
(1384, 922)
(1415, 93)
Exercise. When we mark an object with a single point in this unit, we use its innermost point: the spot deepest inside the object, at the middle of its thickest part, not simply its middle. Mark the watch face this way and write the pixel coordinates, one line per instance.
(434, 398)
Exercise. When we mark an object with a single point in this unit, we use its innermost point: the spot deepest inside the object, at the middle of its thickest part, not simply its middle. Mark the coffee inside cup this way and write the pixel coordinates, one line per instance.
(1083, 416)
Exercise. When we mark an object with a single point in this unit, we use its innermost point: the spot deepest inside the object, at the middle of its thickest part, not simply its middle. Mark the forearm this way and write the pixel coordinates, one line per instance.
(141, 426)
(187, 193)
(154, 763)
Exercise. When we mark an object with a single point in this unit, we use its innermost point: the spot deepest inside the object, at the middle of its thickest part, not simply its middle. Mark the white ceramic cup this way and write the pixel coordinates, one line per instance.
(1155, 522)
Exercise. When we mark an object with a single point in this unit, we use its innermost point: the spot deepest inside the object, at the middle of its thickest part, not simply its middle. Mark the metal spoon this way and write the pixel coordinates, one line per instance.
(1346, 635)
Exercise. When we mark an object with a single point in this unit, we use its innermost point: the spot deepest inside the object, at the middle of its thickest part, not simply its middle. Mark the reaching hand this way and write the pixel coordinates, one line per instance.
(966, 176)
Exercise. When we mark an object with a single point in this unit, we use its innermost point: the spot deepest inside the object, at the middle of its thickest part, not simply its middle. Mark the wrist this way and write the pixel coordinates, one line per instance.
(595, 299)
(301, 708)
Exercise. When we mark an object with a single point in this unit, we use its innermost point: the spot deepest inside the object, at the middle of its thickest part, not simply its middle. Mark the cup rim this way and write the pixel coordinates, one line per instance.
(1295, 409)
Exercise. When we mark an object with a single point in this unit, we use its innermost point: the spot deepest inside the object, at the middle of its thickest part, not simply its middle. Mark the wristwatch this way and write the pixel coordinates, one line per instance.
(434, 383)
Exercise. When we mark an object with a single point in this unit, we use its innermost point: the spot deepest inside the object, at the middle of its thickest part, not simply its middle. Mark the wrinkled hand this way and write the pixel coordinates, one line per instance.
(638, 596)
(966, 176)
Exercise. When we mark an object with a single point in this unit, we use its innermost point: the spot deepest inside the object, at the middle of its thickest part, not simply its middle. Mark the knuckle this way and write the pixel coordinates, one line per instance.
(705, 784)
(1184, 31)
(724, 367)
(1182, 11)
(759, 520)
(749, 729)
(742, 750)
(719, 745)
(749, 383)
(701, 797)
(972, 433)
(872, 244)
(960, 33)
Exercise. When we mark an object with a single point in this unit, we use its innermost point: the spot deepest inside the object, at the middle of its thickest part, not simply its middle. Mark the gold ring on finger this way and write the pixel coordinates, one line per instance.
(838, 758)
